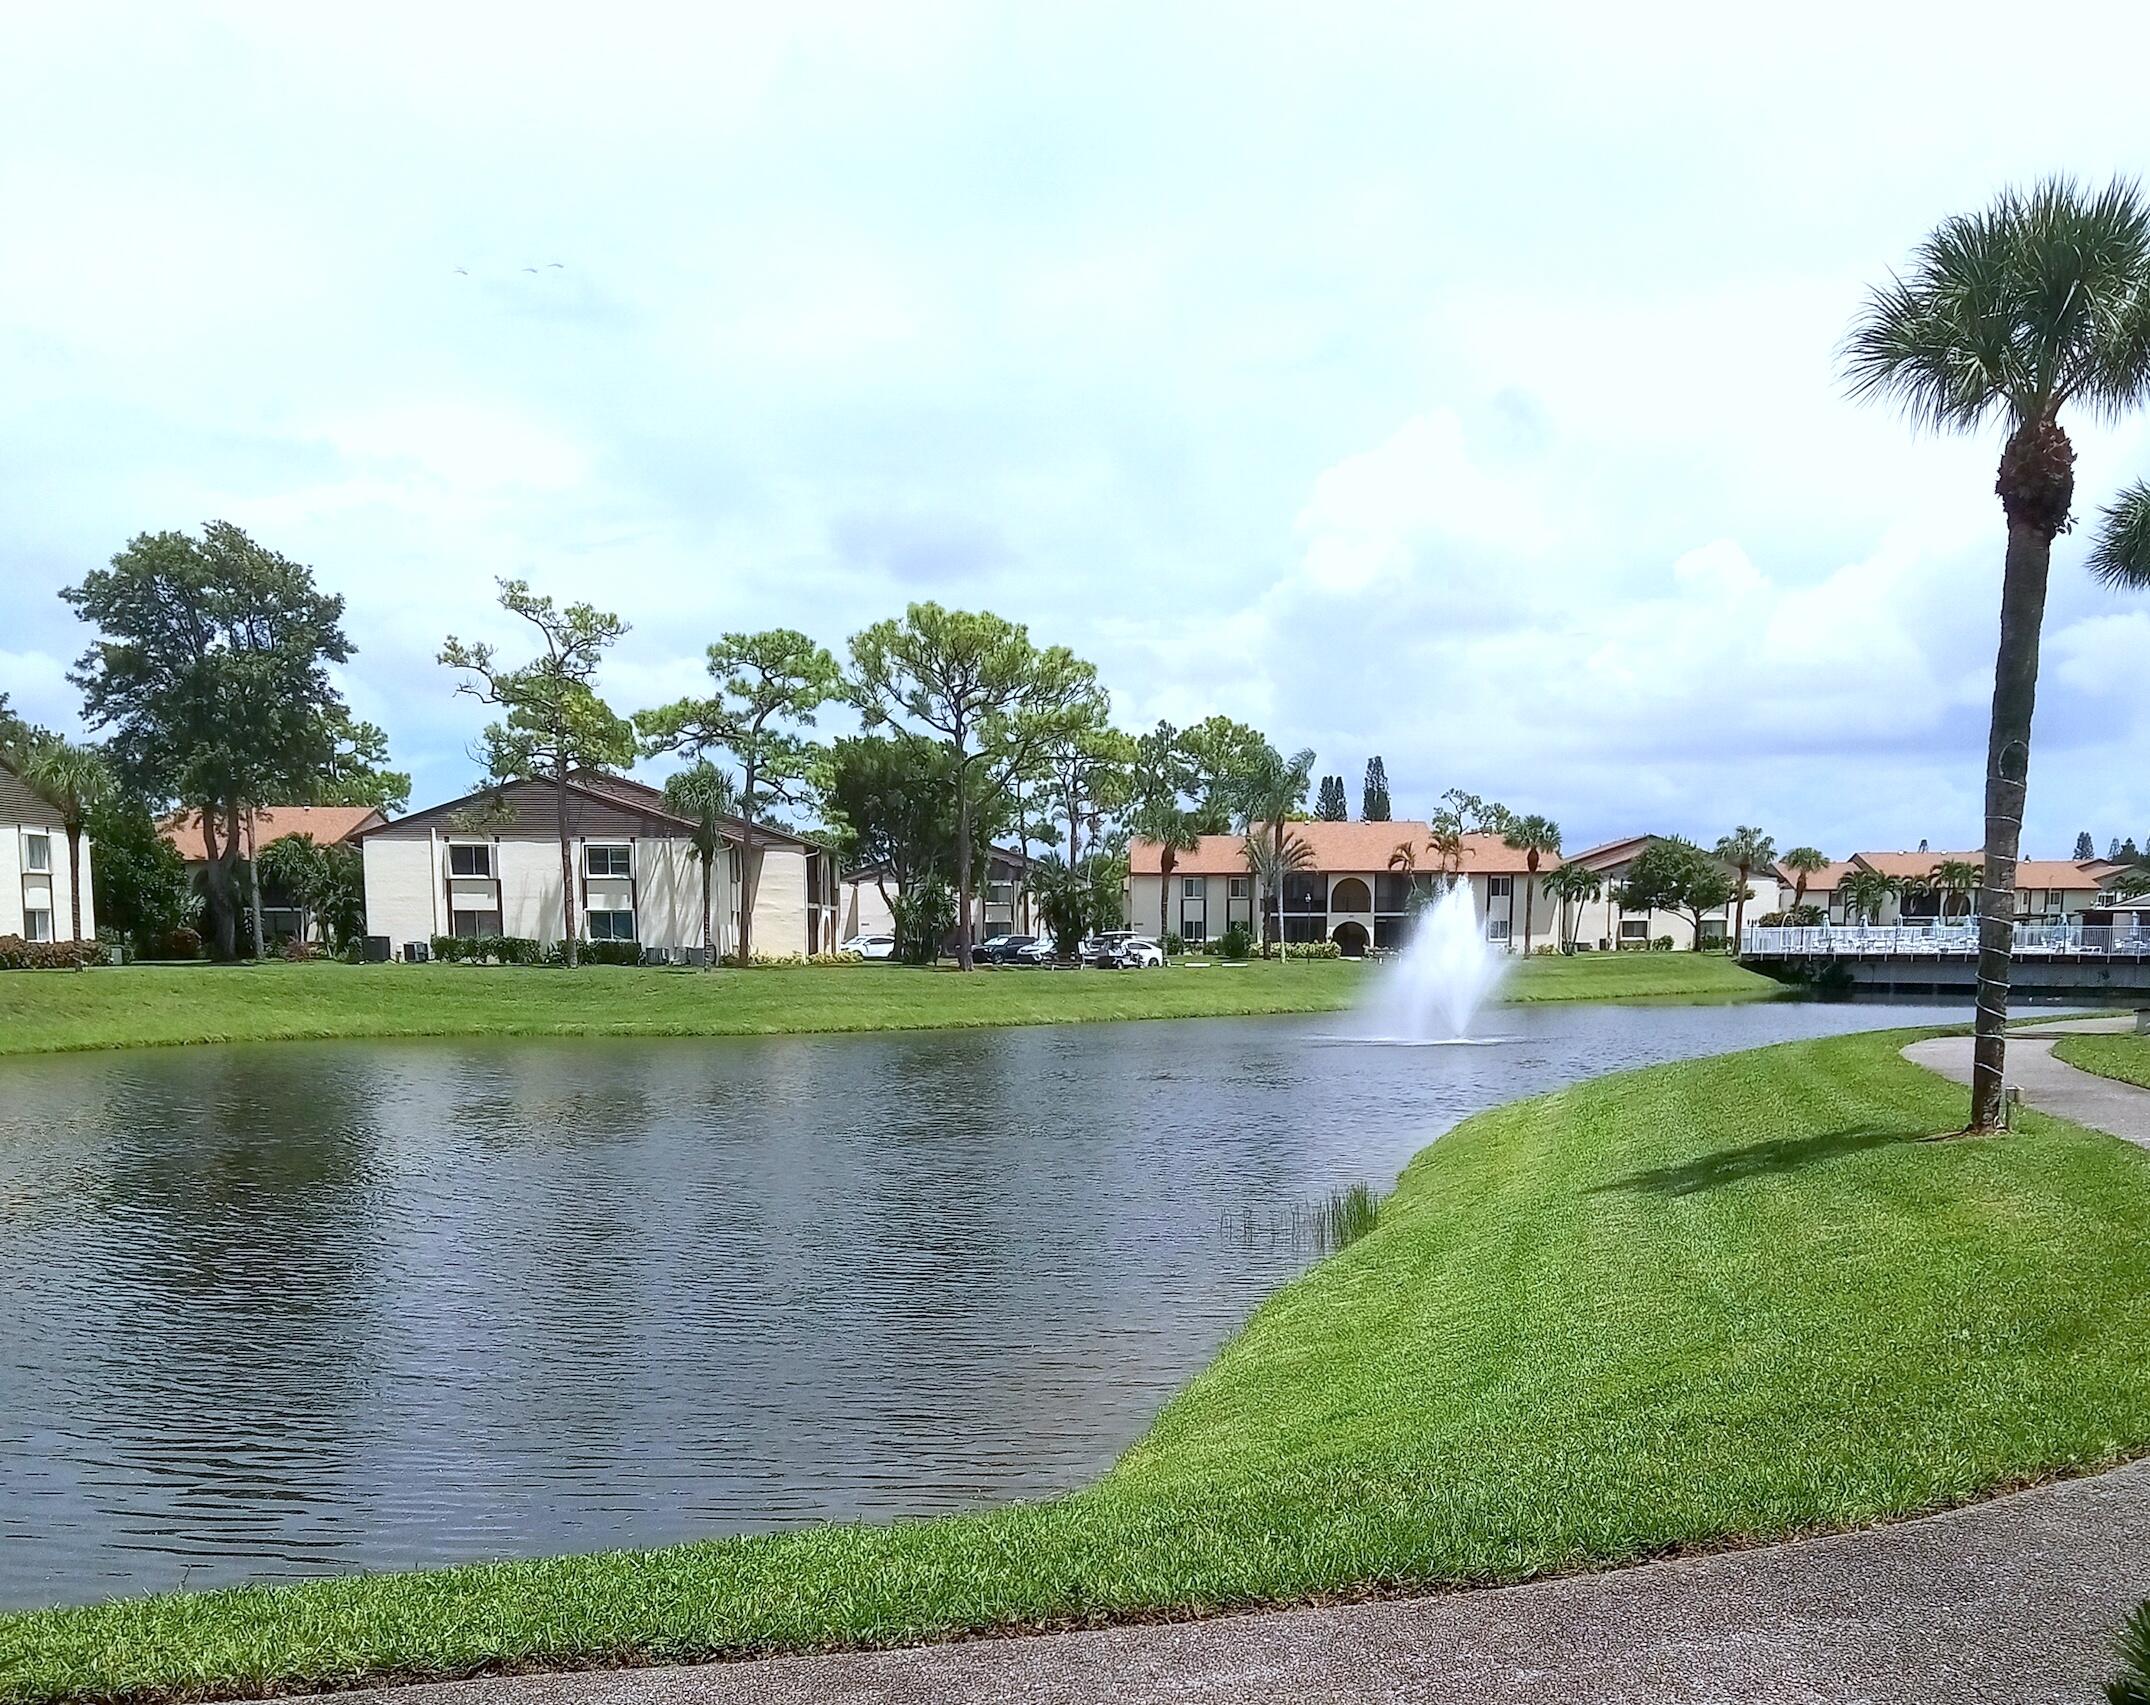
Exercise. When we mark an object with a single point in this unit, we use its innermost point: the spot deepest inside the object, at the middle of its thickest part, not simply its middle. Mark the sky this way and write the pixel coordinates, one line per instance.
(1459, 388)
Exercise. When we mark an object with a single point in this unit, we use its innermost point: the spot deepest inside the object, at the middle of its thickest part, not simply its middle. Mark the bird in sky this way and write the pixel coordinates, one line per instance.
(464, 270)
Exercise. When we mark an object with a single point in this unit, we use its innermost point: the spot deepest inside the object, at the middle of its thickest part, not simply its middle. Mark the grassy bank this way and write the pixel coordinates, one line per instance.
(1689, 1305)
(45, 1011)
(2124, 1057)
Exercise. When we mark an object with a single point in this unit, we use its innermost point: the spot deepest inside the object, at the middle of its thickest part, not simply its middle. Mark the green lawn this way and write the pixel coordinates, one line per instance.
(45, 1011)
(2124, 1057)
(1695, 1304)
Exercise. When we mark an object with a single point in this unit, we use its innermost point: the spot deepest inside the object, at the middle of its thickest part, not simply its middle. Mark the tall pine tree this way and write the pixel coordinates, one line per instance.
(1374, 798)
(1329, 803)
(2085, 847)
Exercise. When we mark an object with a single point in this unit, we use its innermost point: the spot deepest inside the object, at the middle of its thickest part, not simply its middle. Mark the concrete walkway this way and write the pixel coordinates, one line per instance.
(2014, 1601)
(2050, 1085)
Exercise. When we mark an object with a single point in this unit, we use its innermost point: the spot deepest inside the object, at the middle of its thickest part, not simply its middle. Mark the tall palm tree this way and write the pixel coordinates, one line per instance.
(1803, 862)
(2009, 315)
(77, 780)
(1265, 795)
(1533, 837)
(705, 797)
(1444, 839)
(1272, 860)
(1746, 850)
(1165, 822)
(1574, 886)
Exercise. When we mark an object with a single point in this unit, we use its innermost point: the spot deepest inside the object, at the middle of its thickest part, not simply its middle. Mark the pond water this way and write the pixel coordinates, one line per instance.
(301, 1309)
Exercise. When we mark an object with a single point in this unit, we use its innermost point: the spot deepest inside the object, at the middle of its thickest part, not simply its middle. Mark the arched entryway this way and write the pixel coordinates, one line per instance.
(1351, 895)
(1351, 939)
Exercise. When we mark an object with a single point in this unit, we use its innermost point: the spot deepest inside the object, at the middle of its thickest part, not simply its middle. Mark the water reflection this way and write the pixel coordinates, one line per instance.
(276, 1311)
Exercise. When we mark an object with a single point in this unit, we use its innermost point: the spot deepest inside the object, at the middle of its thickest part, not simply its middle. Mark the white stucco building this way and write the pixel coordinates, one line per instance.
(37, 884)
(489, 864)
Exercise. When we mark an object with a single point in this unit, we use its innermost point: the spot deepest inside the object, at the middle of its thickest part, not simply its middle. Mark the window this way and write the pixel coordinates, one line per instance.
(1242, 888)
(466, 859)
(612, 926)
(38, 924)
(609, 861)
(37, 855)
(1634, 929)
(466, 923)
(1497, 928)
(1499, 887)
(1713, 932)
(1304, 893)
(1351, 895)
(1306, 928)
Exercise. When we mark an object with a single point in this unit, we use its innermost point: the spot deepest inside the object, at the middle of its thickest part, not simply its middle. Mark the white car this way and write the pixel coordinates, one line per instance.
(1141, 953)
(870, 946)
(1123, 950)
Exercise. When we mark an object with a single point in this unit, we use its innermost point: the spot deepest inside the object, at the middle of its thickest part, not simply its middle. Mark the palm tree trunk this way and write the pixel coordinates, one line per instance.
(709, 949)
(1739, 915)
(963, 861)
(1530, 894)
(253, 893)
(2008, 762)
(1166, 859)
(567, 865)
(74, 874)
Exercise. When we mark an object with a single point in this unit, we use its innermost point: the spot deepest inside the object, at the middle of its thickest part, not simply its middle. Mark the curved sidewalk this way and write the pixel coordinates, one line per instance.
(2014, 1601)
(2051, 1085)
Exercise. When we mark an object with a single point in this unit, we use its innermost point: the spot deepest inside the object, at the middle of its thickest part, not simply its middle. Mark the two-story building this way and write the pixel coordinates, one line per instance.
(37, 883)
(1360, 886)
(325, 825)
(489, 864)
(2048, 890)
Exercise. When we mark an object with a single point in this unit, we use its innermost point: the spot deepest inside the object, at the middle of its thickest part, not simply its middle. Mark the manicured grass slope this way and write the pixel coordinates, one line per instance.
(2124, 1057)
(44, 1011)
(1694, 1304)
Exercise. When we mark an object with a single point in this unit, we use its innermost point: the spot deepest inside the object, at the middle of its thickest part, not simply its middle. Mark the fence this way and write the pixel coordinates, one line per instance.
(1954, 939)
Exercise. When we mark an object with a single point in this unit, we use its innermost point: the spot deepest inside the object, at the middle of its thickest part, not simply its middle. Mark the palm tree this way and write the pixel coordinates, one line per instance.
(1533, 837)
(1573, 885)
(1444, 839)
(2008, 316)
(705, 797)
(294, 864)
(1803, 862)
(1865, 892)
(1271, 861)
(1745, 849)
(1267, 794)
(76, 779)
(1953, 879)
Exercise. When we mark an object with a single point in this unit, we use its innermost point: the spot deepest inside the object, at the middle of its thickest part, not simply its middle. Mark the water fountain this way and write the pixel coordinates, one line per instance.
(1447, 970)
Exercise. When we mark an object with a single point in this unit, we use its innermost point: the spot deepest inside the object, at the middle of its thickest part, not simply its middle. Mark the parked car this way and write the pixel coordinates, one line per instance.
(870, 946)
(1142, 953)
(1039, 952)
(1003, 949)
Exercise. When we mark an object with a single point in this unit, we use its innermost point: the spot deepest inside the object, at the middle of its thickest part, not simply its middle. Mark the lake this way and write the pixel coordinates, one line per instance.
(313, 1308)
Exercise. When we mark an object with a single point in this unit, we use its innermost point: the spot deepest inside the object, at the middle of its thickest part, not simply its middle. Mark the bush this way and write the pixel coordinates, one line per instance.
(454, 949)
(510, 949)
(791, 961)
(1172, 945)
(1663, 944)
(1237, 942)
(1312, 950)
(17, 954)
(181, 943)
(297, 950)
(610, 953)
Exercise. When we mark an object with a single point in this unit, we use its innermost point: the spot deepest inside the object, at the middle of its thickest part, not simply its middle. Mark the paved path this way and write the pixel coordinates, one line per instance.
(2053, 1086)
(2012, 1602)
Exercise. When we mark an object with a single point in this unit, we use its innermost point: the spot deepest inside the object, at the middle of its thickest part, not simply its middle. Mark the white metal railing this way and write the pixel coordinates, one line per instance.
(1933, 939)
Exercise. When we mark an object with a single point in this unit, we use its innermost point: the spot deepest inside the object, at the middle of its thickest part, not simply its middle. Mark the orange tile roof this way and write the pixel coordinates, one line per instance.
(2088, 874)
(1361, 847)
(1904, 866)
(328, 824)
(1822, 881)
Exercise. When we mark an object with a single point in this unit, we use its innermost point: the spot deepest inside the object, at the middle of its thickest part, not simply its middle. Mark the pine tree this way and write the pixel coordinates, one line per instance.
(2127, 850)
(1374, 799)
(1330, 805)
(2113, 851)
(2085, 847)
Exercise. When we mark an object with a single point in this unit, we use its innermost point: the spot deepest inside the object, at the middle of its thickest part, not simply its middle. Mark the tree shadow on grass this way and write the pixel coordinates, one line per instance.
(1756, 1160)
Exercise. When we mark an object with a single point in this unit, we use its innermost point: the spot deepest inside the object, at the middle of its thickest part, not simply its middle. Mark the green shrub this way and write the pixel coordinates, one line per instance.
(1172, 945)
(454, 949)
(17, 954)
(2132, 1685)
(611, 953)
(1663, 944)
(181, 943)
(1312, 950)
(1237, 942)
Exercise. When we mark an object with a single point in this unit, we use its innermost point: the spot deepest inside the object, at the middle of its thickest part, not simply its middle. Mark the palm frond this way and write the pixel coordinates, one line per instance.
(2120, 554)
(2040, 298)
